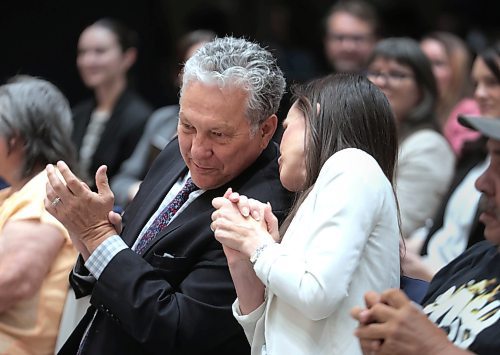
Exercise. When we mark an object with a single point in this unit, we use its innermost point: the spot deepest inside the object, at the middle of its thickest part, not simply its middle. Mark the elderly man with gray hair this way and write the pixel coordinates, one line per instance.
(162, 284)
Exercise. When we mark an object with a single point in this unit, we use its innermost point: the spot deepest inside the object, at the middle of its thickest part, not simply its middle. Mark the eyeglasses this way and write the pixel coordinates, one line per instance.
(391, 78)
(356, 38)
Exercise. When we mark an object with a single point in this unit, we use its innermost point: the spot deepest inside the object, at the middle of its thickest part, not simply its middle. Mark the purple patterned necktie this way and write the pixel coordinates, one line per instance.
(166, 215)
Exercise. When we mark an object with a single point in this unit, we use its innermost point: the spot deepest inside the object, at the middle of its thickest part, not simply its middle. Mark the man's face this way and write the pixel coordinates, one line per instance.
(349, 42)
(489, 184)
(215, 136)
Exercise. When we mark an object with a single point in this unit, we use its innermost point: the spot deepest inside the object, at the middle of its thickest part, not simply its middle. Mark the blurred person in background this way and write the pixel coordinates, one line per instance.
(36, 253)
(160, 129)
(107, 126)
(456, 225)
(351, 32)
(451, 64)
(425, 161)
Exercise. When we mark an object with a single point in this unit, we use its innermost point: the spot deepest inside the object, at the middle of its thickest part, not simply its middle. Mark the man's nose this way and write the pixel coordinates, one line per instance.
(348, 44)
(201, 147)
(482, 183)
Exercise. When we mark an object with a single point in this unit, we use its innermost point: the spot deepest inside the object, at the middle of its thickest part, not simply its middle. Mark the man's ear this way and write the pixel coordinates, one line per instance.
(267, 129)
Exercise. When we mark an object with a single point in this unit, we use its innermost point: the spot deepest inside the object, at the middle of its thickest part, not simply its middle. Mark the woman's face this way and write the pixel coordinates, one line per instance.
(292, 165)
(397, 82)
(487, 88)
(100, 59)
(435, 51)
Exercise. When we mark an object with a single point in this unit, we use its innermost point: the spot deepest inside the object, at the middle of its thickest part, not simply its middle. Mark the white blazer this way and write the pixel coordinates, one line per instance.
(426, 164)
(343, 241)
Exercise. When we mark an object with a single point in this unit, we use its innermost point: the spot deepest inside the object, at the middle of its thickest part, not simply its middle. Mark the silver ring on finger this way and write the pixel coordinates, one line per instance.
(55, 201)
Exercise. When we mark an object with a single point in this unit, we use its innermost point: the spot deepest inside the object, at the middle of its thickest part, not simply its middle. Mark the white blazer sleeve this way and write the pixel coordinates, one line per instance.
(249, 321)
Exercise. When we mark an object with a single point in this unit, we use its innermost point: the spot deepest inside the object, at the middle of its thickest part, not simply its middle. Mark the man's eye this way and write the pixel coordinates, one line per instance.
(217, 134)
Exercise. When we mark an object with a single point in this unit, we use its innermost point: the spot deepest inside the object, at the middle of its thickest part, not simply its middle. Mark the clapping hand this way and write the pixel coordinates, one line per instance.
(84, 213)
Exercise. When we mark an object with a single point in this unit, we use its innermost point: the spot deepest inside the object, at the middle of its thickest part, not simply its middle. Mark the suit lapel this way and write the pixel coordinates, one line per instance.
(199, 206)
(151, 200)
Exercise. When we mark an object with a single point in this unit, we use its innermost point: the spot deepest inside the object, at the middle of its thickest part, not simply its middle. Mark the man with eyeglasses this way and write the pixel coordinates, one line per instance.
(351, 35)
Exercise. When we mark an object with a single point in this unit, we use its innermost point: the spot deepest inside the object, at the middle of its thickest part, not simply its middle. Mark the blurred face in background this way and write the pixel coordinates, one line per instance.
(487, 88)
(441, 67)
(100, 59)
(397, 81)
(349, 42)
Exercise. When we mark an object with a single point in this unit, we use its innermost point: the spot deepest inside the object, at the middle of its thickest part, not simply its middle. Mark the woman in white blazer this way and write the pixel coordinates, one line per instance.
(295, 287)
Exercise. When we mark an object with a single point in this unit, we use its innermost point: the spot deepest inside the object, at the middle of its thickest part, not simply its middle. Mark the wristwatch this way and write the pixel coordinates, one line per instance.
(257, 252)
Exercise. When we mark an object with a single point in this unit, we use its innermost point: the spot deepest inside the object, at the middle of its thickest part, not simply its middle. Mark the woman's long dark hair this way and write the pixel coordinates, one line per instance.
(353, 113)
(491, 56)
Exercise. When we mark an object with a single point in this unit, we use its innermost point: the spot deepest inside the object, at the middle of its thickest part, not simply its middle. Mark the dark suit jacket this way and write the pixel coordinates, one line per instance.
(121, 134)
(152, 304)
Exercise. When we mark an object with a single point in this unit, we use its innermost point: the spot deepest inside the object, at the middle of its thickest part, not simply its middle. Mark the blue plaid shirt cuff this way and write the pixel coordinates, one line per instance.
(103, 254)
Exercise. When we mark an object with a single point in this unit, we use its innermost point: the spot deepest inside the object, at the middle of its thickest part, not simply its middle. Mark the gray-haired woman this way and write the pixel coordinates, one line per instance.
(36, 253)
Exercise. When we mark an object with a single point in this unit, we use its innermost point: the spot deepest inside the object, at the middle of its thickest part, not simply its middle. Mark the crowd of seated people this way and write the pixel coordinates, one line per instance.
(456, 226)
(386, 169)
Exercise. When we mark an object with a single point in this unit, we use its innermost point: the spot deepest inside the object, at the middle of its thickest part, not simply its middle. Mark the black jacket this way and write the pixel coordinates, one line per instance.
(153, 304)
(121, 133)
